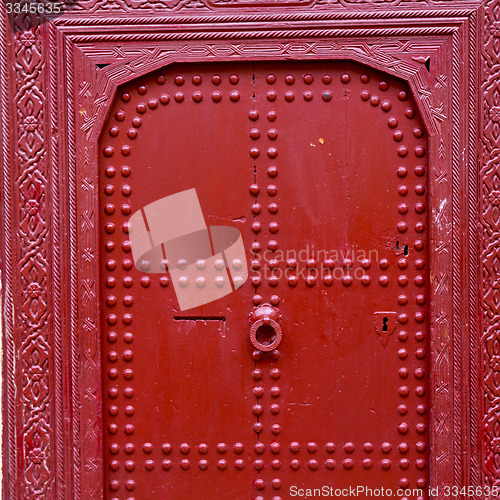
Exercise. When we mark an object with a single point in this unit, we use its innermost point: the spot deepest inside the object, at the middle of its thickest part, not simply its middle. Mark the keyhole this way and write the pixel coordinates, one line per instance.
(384, 326)
(397, 246)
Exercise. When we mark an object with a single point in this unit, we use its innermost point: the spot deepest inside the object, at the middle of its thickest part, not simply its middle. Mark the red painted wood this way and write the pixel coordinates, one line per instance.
(60, 78)
(323, 168)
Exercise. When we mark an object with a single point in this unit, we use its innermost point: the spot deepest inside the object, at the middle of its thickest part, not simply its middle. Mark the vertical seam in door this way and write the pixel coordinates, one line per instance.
(347, 174)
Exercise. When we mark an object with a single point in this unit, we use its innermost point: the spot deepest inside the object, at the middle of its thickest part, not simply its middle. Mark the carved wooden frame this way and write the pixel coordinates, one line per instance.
(58, 80)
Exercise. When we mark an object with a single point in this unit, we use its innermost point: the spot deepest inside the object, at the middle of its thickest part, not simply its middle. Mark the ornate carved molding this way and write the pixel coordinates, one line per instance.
(55, 99)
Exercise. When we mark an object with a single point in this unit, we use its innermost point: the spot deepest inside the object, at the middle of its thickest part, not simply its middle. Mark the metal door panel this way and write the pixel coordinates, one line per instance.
(300, 157)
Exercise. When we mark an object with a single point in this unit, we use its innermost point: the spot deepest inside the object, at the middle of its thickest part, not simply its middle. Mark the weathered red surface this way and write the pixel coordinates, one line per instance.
(323, 168)
(60, 78)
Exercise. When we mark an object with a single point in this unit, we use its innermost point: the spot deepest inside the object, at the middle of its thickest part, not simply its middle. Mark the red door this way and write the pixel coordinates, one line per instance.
(322, 167)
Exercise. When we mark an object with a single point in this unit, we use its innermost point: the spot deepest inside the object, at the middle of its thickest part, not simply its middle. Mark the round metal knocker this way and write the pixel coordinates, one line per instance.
(273, 331)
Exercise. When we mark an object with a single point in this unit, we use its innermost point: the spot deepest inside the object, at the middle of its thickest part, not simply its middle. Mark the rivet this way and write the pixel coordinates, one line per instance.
(113, 428)
(234, 79)
(166, 464)
(402, 151)
(420, 300)
(417, 132)
(160, 79)
(348, 463)
(398, 137)
(421, 409)
(421, 464)
(289, 79)
(403, 428)
(238, 448)
(327, 79)
(164, 99)
(272, 190)
(347, 280)
(112, 319)
(403, 372)
(114, 485)
(271, 95)
(111, 301)
(420, 446)
(364, 78)
(120, 115)
(308, 95)
(419, 280)
(185, 464)
(141, 108)
(197, 96)
(272, 171)
(136, 122)
(365, 95)
(113, 131)
(402, 353)
(112, 337)
(271, 116)
(272, 152)
(289, 96)
(128, 392)
(402, 409)
(345, 78)
(258, 427)
(328, 279)
(258, 464)
(128, 355)
(216, 79)
(126, 97)
(271, 79)
(234, 96)
(108, 151)
(402, 190)
(418, 245)
(128, 374)
(349, 447)
(330, 464)
(404, 391)
(129, 448)
(403, 207)
(326, 95)
(402, 227)
(410, 113)
(392, 122)
(295, 464)
(272, 245)
(254, 189)
(403, 318)
(308, 79)
(419, 189)
(153, 103)
(383, 280)
(402, 300)
(385, 464)
(197, 79)
(419, 151)
(386, 106)
(255, 247)
(313, 464)
(374, 100)
(273, 208)
(274, 409)
(216, 96)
